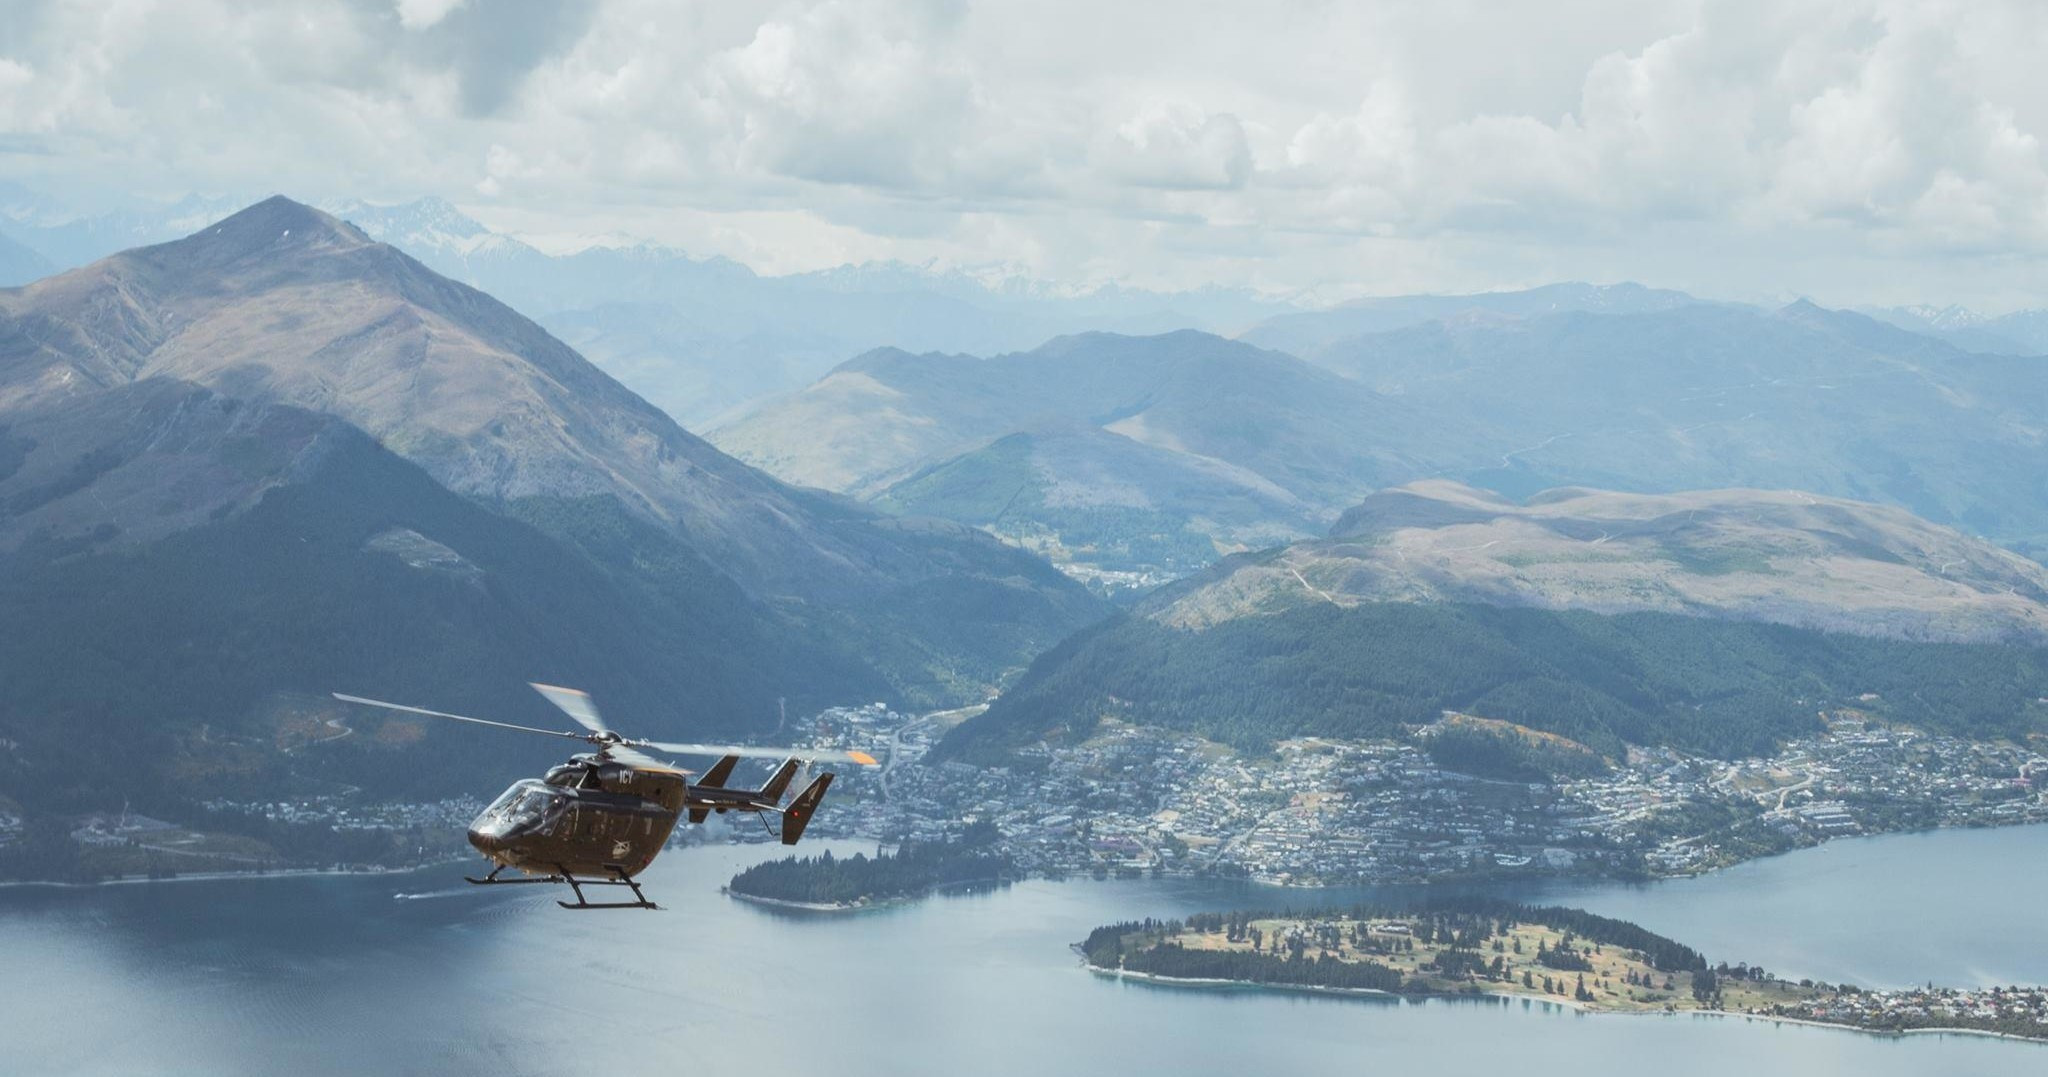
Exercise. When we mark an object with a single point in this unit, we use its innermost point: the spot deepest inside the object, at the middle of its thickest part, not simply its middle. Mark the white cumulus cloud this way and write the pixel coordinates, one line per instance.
(1833, 147)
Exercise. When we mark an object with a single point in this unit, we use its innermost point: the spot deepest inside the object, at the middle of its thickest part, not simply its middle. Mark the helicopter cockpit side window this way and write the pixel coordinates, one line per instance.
(519, 808)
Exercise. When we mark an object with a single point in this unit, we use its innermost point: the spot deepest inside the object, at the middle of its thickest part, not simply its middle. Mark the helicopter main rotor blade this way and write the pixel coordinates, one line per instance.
(458, 717)
(576, 705)
(816, 755)
(642, 759)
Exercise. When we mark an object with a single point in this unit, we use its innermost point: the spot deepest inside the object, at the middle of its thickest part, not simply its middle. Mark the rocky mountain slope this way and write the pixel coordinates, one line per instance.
(1719, 622)
(1780, 557)
(284, 304)
(1666, 395)
(154, 403)
(696, 336)
(1084, 496)
(249, 558)
(1183, 424)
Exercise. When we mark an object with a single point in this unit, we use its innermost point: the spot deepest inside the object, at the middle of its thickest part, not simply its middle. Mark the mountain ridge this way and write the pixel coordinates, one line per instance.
(141, 400)
(1779, 557)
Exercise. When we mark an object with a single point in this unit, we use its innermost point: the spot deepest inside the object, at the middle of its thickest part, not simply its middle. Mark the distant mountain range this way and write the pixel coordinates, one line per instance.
(20, 265)
(697, 337)
(1135, 452)
(1305, 332)
(1719, 622)
(277, 458)
(1703, 396)
(2023, 332)
(1152, 453)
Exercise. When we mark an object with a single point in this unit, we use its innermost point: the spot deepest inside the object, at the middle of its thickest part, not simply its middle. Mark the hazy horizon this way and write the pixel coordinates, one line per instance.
(1859, 154)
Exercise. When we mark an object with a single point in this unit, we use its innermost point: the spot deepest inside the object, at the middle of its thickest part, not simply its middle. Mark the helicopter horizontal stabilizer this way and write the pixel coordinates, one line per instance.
(798, 815)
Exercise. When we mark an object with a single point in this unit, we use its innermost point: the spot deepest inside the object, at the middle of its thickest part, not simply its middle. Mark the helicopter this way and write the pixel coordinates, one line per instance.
(602, 817)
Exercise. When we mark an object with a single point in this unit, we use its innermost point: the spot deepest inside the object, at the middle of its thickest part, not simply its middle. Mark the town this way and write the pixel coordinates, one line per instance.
(1323, 812)
(2010, 1011)
(1312, 812)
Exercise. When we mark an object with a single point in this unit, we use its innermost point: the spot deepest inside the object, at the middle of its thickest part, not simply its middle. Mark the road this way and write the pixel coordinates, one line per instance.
(895, 755)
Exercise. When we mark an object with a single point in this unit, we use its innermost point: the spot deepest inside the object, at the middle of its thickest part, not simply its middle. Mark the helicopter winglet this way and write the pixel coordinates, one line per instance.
(720, 770)
(714, 779)
(778, 783)
(798, 815)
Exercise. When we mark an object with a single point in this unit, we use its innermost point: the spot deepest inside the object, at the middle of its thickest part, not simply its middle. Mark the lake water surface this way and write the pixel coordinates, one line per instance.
(337, 975)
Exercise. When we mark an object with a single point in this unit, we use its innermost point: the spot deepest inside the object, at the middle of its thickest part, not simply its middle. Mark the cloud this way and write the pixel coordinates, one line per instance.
(421, 14)
(1732, 147)
(1175, 145)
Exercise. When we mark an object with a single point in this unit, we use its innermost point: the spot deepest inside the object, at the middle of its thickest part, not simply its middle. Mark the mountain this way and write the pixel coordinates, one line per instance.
(698, 337)
(1702, 397)
(1681, 396)
(189, 575)
(1781, 557)
(19, 265)
(882, 416)
(1091, 499)
(1205, 441)
(1307, 331)
(2023, 332)
(165, 397)
(1718, 622)
(66, 239)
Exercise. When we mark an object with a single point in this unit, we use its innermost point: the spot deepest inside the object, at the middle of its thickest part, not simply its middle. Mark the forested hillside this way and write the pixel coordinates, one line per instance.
(1719, 688)
(199, 665)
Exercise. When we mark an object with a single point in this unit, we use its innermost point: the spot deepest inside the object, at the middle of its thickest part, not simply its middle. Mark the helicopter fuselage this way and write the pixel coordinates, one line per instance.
(602, 817)
(587, 817)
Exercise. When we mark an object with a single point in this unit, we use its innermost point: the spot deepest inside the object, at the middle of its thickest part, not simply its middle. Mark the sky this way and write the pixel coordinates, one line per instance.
(1856, 152)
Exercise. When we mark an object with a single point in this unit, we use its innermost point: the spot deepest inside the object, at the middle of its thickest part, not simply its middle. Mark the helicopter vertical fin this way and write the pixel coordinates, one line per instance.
(798, 815)
(778, 782)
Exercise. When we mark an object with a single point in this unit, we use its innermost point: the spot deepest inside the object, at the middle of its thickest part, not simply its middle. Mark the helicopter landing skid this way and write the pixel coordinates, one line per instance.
(619, 878)
(493, 880)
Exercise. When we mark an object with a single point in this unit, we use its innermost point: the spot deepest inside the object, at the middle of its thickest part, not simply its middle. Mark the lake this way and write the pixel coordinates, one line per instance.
(319, 975)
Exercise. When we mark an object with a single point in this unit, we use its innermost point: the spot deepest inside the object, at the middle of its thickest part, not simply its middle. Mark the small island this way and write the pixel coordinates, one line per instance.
(1569, 957)
(828, 883)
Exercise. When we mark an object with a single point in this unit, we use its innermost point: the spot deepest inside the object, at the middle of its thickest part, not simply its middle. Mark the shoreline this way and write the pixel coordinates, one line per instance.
(1194, 983)
(224, 876)
(1481, 878)
(863, 904)
(1207, 983)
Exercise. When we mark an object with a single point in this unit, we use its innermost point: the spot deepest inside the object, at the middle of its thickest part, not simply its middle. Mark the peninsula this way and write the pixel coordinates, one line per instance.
(826, 882)
(1477, 947)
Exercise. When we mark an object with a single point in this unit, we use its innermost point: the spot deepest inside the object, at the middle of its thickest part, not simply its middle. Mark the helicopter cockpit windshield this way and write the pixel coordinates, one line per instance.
(518, 809)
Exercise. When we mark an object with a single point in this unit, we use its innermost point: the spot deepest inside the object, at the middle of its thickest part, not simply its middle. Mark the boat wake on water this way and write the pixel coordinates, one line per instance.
(425, 894)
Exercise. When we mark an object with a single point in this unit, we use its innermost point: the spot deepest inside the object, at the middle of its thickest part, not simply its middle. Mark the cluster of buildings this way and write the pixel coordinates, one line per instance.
(345, 813)
(1317, 812)
(2019, 1011)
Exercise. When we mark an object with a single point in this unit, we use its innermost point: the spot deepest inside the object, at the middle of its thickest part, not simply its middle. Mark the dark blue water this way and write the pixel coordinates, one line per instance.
(334, 975)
